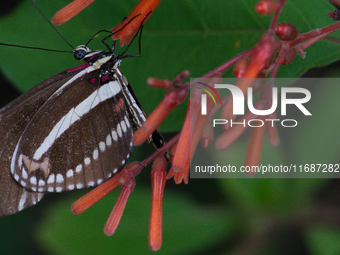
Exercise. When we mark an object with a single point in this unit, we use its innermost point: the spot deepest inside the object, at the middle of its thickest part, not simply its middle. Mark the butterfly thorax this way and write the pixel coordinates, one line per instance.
(106, 61)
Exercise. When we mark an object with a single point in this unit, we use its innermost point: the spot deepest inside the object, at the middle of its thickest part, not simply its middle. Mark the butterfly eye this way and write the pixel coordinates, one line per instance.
(79, 54)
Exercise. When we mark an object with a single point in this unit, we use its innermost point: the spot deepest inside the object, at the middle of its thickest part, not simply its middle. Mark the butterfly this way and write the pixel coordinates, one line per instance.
(72, 131)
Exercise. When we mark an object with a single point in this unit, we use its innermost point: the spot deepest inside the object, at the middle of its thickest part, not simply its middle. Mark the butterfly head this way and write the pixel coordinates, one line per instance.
(83, 52)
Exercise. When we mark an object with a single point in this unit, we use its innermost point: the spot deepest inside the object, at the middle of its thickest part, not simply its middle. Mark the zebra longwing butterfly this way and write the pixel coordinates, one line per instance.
(72, 131)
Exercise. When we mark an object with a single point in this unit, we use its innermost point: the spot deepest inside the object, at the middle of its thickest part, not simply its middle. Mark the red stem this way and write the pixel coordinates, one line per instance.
(160, 151)
(276, 16)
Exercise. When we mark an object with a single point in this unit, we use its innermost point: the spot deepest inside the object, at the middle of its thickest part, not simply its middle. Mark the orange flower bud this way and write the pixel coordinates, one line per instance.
(265, 7)
(138, 14)
(69, 11)
(158, 179)
(240, 68)
(118, 209)
(286, 31)
(158, 83)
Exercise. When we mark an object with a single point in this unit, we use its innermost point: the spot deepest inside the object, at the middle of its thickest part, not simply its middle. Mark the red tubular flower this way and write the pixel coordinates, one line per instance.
(178, 177)
(183, 175)
(263, 52)
(143, 9)
(253, 155)
(190, 135)
(179, 78)
(185, 171)
(182, 154)
(158, 83)
(228, 137)
(198, 121)
(272, 131)
(158, 179)
(172, 151)
(172, 99)
(259, 83)
(251, 64)
(69, 11)
(207, 134)
(127, 29)
(89, 199)
(128, 183)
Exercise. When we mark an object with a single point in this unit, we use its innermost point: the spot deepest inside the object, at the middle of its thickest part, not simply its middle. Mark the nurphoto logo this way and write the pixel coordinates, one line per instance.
(288, 96)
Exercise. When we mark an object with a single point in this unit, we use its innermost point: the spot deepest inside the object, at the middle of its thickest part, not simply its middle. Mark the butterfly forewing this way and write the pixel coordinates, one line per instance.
(78, 138)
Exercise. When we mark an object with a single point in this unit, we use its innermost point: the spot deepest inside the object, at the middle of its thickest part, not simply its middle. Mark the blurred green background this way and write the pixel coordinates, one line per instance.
(208, 216)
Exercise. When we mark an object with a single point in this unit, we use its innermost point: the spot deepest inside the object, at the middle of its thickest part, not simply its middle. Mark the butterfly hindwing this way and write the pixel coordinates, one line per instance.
(13, 197)
(13, 120)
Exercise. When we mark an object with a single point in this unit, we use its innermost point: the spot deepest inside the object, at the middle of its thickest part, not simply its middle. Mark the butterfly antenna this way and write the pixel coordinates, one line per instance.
(96, 35)
(49, 22)
(34, 48)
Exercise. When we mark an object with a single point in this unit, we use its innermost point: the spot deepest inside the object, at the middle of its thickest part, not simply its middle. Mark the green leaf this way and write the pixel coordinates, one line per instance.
(254, 194)
(186, 226)
(323, 240)
(179, 35)
(315, 140)
(280, 195)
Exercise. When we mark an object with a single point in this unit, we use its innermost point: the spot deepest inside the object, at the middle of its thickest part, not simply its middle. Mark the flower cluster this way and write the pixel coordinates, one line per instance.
(278, 46)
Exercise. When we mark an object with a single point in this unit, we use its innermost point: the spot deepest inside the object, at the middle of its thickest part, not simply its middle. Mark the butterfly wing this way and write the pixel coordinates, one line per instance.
(13, 197)
(78, 138)
(13, 120)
